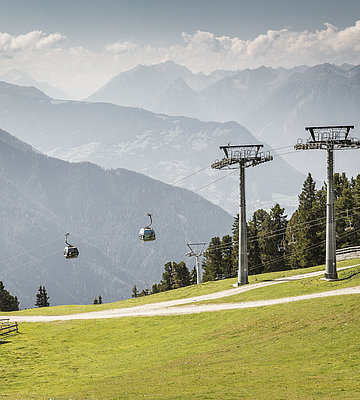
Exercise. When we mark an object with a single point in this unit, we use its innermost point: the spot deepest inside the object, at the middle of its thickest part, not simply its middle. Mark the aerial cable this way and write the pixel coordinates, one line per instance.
(188, 176)
(216, 180)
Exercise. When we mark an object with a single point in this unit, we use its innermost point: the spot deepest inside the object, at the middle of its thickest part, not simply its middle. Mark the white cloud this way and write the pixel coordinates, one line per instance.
(275, 48)
(31, 41)
(121, 47)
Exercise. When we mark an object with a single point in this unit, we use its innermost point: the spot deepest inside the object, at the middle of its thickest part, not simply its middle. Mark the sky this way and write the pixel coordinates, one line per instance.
(78, 45)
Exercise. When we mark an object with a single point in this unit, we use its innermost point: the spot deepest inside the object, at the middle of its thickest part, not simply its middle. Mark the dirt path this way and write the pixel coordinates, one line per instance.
(188, 306)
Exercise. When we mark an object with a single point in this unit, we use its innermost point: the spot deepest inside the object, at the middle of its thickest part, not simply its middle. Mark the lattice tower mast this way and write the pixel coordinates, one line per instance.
(242, 156)
(329, 138)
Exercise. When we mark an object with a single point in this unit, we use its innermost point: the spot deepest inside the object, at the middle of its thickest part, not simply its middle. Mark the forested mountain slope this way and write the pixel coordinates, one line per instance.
(42, 198)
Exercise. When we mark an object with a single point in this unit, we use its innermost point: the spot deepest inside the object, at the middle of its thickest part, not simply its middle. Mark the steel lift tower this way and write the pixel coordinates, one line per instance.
(329, 138)
(241, 157)
(196, 250)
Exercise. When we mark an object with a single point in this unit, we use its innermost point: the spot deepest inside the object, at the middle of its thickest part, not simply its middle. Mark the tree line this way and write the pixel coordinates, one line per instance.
(275, 242)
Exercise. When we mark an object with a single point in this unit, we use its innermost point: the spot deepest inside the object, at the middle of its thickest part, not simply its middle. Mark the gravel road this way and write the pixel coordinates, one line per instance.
(189, 306)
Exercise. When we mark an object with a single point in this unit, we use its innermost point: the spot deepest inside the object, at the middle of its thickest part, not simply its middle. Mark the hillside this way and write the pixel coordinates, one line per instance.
(284, 351)
(274, 104)
(42, 198)
(163, 147)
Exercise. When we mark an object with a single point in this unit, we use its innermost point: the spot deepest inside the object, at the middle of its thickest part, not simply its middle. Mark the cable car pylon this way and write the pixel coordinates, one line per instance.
(241, 157)
(196, 250)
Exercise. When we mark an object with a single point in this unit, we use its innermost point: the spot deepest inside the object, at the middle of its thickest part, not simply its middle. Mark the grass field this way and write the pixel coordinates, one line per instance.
(303, 350)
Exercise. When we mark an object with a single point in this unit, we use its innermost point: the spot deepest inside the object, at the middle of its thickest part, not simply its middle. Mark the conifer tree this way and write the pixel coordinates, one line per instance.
(303, 241)
(227, 257)
(193, 276)
(42, 299)
(7, 301)
(276, 236)
(135, 292)
(167, 282)
(235, 251)
(213, 261)
(181, 275)
(98, 300)
(155, 288)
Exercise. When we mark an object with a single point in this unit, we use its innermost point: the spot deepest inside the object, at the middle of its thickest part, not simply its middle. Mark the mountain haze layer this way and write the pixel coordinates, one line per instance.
(274, 104)
(163, 147)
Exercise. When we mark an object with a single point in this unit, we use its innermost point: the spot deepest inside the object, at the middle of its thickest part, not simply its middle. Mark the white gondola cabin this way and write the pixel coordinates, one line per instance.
(70, 251)
(147, 234)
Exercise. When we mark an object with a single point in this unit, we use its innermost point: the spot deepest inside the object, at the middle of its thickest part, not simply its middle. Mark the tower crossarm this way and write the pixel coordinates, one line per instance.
(323, 137)
(245, 155)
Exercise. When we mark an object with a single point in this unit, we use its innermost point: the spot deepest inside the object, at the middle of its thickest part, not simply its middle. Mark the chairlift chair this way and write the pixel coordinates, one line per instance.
(70, 251)
(147, 234)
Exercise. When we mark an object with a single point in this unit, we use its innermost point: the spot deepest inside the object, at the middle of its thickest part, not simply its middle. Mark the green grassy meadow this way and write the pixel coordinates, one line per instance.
(302, 350)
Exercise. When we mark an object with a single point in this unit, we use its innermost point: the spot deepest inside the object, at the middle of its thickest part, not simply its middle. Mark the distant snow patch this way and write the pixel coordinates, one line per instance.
(76, 154)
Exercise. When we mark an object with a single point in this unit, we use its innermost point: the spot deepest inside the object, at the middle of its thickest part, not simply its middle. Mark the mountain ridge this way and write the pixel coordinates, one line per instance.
(163, 147)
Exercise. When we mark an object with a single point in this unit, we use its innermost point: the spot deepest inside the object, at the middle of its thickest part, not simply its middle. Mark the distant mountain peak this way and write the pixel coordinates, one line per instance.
(22, 78)
(22, 91)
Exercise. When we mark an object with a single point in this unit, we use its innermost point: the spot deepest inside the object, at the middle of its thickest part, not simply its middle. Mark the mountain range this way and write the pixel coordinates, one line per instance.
(42, 198)
(274, 104)
(163, 147)
(21, 78)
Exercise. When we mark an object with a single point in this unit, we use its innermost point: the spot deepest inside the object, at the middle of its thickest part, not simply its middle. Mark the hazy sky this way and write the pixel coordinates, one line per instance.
(79, 44)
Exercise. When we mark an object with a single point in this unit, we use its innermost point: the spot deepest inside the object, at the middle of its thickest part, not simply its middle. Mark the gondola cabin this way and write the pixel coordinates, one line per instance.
(71, 252)
(147, 234)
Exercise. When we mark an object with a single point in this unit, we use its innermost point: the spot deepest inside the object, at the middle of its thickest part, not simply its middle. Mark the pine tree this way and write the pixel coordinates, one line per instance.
(193, 276)
(155, 288)
(235, 250)
(227, 257)
(167, 282)
(276, 236)
(98, 300)
(303, 240)
(7, 301)
(135, 292)
(42, 299)
(257, 241)
(212, 261)
(181, 275)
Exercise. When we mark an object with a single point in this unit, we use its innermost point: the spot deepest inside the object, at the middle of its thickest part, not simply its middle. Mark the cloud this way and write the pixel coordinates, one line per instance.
(204, 51)
(276, 48)
(31, 41)
(121, 47)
